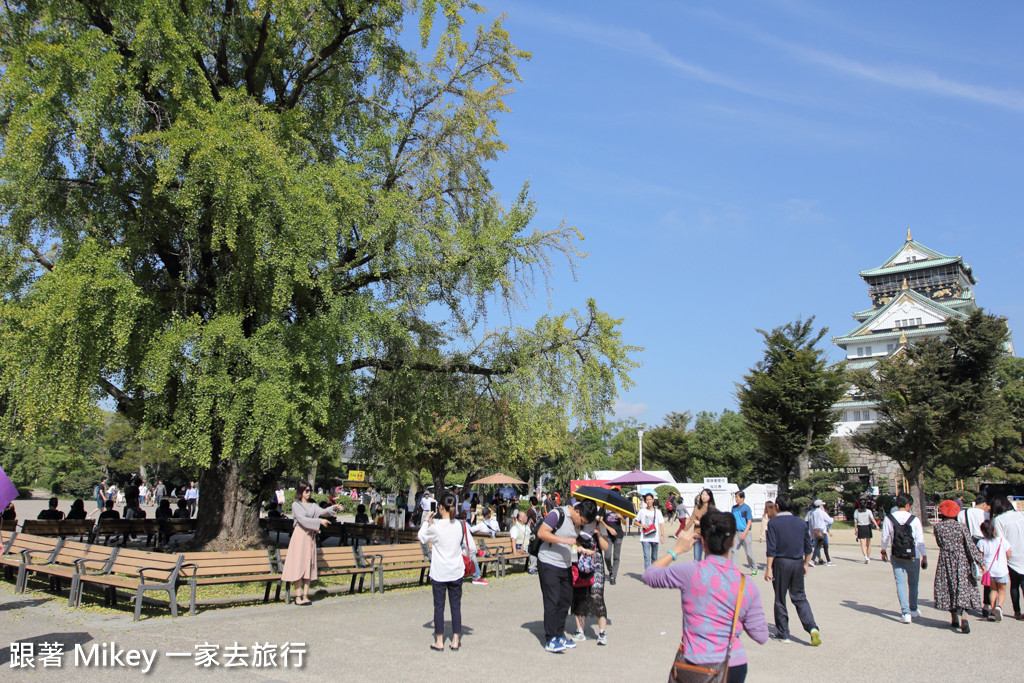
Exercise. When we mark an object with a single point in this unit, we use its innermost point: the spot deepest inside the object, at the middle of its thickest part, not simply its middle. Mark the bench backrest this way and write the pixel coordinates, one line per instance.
(64, 527)
(400, 553)
(73, 550)
(337, 558)
(232, 563)
(127, 526)
(8, 524)
(25, 541)
(177, 525)
(404, 536)
(160, 566)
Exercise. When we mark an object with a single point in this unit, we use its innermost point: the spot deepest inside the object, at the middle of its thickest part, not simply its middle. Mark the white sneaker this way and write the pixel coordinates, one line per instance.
(830, 564)
(578, 637)
(916, 613)
(906, 618)
(602, 638)
(866, 559)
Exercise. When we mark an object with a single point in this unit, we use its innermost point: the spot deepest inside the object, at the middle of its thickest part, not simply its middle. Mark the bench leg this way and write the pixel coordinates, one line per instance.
(192, 599)
(172, 598)
(266, 593)
(352, 586)
(277, 593)
(19, 584)
(75, 587)
(138, 604)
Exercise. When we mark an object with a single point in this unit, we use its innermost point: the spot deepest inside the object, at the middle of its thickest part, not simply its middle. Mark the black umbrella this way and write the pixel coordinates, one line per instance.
(609, 499)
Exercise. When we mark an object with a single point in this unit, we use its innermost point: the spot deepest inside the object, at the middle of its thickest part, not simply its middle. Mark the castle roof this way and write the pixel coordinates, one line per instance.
(871, 328)
(915, 256)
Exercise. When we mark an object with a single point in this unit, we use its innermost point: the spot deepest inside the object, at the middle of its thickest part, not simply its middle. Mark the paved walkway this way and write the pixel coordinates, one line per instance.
(386, 637)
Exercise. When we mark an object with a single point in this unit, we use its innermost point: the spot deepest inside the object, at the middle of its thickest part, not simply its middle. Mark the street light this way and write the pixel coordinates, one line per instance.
(640, 435)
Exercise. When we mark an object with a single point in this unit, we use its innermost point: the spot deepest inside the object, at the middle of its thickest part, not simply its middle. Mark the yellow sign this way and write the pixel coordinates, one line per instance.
(356, 475)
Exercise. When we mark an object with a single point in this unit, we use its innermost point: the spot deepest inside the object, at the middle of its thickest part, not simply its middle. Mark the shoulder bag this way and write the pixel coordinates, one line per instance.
(685, 672)
(986, 578)
(468, 568)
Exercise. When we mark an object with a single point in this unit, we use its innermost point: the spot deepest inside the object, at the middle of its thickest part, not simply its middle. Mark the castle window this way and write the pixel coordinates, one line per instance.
(856, 416)
(860, 350)
(867, 350)
(890, 347)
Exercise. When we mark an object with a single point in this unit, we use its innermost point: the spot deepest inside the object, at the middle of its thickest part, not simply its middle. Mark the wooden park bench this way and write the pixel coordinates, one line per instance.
(125, 528)
(174, 526)
(134, 570)
(8, 525)
(352, 533)
(507, 553)
(62, 565)
(278, 526)
(397, 557)
(335, 561)
(404, 536)
(492, 547)
(63, 528)
(220, 568)
(10, 560)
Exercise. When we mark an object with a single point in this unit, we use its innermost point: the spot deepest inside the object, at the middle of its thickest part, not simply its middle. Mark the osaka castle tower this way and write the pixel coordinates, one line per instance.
(913, 293)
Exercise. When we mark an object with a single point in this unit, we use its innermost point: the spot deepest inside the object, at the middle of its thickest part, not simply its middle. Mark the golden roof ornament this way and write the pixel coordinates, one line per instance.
(905, 286)
(903, 337)
(909, 238)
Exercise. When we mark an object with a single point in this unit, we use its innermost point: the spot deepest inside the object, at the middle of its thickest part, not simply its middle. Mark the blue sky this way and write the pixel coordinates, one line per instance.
(734, 165)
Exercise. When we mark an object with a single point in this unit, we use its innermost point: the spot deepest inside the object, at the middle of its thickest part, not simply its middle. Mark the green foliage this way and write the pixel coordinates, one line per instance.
(821, 485)
(787, 396)
(666, 445)
(938, 401)
(231, 218)
(724, 446)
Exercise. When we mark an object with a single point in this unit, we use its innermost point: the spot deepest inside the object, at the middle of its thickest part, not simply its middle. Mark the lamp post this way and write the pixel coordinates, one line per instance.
(640, 435)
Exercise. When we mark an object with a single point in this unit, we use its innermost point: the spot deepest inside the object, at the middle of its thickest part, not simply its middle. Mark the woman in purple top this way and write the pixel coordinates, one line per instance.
(709, 589)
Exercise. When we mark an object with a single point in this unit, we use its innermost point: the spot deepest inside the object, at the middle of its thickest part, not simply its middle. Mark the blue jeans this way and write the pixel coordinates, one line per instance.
(650, 553)
(476, 567)
(698, 551)
(907, 573)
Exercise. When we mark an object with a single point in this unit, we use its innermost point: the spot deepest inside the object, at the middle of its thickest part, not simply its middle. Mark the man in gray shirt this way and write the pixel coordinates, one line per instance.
(554, 566)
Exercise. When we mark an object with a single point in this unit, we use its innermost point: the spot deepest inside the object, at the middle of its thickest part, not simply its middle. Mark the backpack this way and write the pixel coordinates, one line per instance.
(902, 539)
(535, 539)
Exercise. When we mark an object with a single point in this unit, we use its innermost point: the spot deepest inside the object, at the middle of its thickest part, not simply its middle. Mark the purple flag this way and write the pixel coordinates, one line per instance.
(8, 491)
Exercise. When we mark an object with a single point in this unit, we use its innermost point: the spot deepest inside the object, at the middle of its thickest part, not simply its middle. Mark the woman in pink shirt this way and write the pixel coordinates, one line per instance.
(709, 591)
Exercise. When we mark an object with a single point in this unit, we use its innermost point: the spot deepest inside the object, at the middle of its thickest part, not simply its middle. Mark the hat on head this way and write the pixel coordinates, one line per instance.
(949, 508)
(818, 502)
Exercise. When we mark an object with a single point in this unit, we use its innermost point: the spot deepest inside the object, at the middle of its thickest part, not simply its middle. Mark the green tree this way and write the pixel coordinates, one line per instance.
(1007, 455)
(666, 445)
(938, 402)
(787, 397)
(724, 446)
(229, 217)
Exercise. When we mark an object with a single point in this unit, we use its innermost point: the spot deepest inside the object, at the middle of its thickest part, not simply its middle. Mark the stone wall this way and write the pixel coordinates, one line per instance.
(882, 468)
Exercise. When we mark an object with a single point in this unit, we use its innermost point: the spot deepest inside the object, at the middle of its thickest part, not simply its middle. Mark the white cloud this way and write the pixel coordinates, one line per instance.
(626, 409)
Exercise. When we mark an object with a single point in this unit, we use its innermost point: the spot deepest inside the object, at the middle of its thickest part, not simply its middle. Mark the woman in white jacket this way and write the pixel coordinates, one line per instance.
(448, 537)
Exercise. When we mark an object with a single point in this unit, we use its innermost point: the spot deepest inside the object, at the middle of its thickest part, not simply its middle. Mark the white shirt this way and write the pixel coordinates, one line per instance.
(994, 550)
(485, 526)
(425, 502)
(519, 533)
(646, 517)
(446, 541)
(1010, 525)
(972, 519)
(901, 517)
(819, 519)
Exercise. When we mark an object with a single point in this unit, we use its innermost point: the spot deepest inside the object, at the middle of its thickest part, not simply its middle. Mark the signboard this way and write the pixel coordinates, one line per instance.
(356, 475)
(857, 470)
(719, 483)
(392, 500)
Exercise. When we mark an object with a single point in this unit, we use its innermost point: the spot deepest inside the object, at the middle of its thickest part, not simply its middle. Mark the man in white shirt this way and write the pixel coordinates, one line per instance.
(488, 525)
(906, 570)
(520, 534)
(650, 518)
(973, 517)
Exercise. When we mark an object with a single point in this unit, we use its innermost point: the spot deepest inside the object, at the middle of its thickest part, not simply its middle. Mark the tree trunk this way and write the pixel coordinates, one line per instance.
(414, 488)
(230, 495)
(915, 487)
(312, 475)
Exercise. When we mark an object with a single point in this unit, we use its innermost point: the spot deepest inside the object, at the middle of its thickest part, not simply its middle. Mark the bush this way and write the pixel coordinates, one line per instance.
(884, 503)
(24, 493)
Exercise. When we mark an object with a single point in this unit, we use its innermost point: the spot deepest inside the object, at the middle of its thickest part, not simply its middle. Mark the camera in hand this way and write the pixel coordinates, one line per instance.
(433, 506)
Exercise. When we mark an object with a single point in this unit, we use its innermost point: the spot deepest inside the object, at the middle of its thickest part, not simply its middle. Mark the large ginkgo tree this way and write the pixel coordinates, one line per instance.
(231, 217)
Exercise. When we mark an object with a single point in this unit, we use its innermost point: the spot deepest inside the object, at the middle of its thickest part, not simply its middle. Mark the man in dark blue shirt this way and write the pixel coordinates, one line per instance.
(789, 554)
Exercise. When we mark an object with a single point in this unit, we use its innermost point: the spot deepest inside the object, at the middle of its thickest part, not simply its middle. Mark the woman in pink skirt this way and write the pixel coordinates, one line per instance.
(300, 564)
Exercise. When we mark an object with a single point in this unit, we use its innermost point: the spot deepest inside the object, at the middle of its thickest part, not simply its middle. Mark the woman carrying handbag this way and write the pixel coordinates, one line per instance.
(452, 550)
(716, 601)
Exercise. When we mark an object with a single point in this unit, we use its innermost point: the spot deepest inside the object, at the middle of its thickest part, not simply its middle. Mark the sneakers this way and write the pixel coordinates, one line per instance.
(964, 626)
(578, 637)
(998, 614)
(480, 582)
(830, 564)
(568, 644)
(906, 618)
(784, 641)
(753, 573)
(866, 559)
(916, 613)
(602, 638)
(815, 637)
(555, 645)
